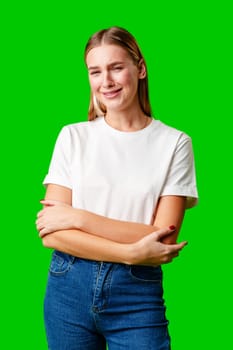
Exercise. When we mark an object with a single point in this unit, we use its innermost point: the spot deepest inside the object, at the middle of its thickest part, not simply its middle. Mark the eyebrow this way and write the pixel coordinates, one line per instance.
(109, 65)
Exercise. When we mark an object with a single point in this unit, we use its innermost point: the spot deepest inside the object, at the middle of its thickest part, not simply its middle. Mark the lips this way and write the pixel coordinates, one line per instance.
(111, 94)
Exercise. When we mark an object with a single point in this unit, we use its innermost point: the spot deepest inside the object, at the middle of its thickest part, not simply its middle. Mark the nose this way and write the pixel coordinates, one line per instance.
(107, 80)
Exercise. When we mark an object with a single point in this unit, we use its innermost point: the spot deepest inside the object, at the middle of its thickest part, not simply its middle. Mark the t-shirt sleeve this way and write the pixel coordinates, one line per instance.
(181, 176)
(59, 170)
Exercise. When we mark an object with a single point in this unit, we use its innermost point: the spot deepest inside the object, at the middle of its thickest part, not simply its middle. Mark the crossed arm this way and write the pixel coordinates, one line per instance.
(87, 235)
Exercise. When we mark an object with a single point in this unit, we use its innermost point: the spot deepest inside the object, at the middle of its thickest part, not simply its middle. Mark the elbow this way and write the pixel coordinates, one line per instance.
(171, 239)
(47, 241)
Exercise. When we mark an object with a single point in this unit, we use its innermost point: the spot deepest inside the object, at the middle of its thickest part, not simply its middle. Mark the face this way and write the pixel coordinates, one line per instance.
(114, 77)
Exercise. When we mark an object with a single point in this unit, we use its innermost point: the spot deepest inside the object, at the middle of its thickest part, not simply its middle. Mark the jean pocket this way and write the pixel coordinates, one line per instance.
(146, 273)
(60, 263)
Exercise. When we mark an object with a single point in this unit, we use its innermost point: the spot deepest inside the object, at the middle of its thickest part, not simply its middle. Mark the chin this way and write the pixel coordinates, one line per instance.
(113, 106)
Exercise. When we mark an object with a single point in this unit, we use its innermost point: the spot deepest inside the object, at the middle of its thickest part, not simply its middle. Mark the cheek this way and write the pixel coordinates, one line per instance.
(129, 79)
(94, 84)
(125, 78)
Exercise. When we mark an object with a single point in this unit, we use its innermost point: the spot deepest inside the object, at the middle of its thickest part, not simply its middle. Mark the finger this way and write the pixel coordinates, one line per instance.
(51, 202)
(170, 257)
(48, 203)
(40, 213)
(42, 233)
(158, 235)
(182, 244)
(39, 226)
(165, 232)
(177, 247)
(175, 254)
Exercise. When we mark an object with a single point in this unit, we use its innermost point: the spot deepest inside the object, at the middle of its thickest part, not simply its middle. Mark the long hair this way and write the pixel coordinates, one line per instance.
(121, 37)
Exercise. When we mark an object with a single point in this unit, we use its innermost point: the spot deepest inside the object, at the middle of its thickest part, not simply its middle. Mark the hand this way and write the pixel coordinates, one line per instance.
(55, 216)
(151, 251)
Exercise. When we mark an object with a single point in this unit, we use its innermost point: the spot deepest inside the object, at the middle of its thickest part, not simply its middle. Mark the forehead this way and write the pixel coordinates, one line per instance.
(106, 54)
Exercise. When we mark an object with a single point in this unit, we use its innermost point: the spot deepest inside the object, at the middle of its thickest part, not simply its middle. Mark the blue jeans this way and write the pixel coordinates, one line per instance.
(89, 304)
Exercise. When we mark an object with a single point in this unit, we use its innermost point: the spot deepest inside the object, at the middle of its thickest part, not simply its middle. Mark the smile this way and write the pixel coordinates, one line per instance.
(111, 94)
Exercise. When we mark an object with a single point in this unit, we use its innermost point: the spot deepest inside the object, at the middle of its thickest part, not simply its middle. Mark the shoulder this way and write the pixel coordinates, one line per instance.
(169, 135)
(166, 129)
(75, 127)
(82, 128)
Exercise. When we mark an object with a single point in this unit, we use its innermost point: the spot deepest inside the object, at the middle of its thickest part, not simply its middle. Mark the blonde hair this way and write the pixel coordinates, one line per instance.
(121, 37)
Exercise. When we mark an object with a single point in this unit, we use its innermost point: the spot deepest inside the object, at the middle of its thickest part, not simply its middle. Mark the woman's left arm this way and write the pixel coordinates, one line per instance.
(170, 209)
(59, 216)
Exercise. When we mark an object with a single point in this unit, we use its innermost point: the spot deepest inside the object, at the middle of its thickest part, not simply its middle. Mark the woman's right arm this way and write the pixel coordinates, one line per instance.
(86, 246)
(58, 214)
(146, 251)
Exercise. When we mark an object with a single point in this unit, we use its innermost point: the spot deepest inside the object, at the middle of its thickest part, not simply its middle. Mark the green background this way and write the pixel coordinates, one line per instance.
(44, 86)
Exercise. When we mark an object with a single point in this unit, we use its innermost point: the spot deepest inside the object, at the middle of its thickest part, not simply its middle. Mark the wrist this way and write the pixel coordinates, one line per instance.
(79, 219)
(138, 253)
(131, 254)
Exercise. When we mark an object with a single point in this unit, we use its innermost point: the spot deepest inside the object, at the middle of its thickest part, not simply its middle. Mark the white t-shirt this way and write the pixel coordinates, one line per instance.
(119, 174)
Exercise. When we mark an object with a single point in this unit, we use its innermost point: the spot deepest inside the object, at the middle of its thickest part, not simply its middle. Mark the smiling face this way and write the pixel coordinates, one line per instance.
(114, 77)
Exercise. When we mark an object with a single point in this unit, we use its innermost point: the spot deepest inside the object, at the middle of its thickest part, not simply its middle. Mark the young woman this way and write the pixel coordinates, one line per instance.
(117, 189)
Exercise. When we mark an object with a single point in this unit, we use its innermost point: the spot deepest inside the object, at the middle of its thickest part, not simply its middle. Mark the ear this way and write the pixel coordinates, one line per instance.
(141, 69)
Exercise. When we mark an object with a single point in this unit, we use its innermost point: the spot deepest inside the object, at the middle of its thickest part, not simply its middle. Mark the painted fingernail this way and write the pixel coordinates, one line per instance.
(172, 227)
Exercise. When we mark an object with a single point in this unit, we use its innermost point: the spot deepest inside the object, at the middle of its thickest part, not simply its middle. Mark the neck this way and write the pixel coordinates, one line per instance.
(133, 121)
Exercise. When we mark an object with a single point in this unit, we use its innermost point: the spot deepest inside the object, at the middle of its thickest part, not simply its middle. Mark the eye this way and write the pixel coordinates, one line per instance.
(117, 68)
(94, 72)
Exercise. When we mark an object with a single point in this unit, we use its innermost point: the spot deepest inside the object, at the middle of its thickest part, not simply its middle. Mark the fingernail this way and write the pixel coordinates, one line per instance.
(172, 227)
